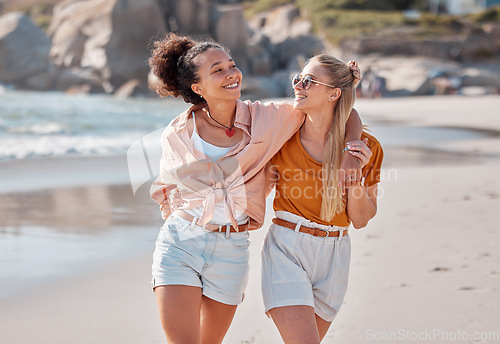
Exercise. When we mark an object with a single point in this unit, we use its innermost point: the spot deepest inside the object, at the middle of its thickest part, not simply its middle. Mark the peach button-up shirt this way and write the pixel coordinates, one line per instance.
(238, 178)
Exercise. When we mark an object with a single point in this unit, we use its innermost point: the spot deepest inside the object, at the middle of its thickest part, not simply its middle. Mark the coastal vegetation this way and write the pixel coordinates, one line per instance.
(40, 11)
(338, 20)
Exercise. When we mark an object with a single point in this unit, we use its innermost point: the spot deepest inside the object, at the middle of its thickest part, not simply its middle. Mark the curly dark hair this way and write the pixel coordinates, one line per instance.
(172, 62)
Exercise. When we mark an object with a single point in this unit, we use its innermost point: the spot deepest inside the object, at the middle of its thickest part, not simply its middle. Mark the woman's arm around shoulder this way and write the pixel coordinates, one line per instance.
(275, 115)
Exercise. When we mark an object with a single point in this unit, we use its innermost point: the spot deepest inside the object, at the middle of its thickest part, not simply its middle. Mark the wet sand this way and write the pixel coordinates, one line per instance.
(75, 245)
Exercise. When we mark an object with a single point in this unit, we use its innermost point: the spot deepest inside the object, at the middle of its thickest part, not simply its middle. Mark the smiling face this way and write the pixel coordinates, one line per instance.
(219, 77)
(314, 98)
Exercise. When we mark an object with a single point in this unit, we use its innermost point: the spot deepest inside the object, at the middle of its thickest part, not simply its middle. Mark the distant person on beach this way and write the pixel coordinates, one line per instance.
(212, 186)
(306, 253)
(372, 85)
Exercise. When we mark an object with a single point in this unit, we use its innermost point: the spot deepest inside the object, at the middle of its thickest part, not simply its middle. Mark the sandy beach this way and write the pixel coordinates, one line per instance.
(425, 269)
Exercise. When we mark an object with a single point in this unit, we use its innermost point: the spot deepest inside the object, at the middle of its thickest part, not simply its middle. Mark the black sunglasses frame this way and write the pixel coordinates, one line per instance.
(307, 81)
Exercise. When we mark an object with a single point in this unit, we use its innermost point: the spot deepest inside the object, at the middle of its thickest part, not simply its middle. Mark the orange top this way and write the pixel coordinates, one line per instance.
(299, 183)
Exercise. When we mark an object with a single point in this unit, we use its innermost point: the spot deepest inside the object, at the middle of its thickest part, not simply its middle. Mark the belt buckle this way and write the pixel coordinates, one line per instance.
(322, 233)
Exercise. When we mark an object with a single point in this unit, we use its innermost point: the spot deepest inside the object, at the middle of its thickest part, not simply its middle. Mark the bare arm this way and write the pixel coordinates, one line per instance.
(362, 204)
(350, 169)
(361, 200)
(353, 127)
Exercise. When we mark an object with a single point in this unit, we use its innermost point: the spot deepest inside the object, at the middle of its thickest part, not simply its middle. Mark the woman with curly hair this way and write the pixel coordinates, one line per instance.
(211, 187)
(306, 253)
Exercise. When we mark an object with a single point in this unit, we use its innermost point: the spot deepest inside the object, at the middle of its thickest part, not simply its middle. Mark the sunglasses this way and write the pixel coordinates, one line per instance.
(307, 81)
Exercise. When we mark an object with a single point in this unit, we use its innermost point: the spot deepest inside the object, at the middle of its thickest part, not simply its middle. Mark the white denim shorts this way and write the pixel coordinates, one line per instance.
(187, 254)
(301, 269)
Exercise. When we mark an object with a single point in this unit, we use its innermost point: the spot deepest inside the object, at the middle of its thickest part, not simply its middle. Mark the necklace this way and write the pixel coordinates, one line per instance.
(230, 131)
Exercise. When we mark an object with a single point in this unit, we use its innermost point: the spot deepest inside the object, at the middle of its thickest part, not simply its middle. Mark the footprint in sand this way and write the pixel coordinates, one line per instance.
(476, 289)
(492, 195)
(258, 337)
(395, 285)
(467, 288)
(440, 269)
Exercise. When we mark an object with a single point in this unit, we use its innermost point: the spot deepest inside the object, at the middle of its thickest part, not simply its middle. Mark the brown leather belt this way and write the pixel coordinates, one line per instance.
(212, 227)
(303, 229)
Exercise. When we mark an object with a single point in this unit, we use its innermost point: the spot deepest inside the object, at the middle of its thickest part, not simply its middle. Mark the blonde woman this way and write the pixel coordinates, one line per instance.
(306, 253)
(211, 187)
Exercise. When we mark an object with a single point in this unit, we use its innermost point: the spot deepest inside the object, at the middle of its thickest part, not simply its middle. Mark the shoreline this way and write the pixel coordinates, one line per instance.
(48, 173)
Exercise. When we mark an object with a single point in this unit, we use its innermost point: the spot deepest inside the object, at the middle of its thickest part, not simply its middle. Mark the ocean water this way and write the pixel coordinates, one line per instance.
(53, 124)
(63, 225)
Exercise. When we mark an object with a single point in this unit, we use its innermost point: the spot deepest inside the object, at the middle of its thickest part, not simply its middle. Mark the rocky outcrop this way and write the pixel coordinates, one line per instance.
(279, 36)
(192, 17)
(80, 79)
(103, 45)
(111, 37)
(133, 88)
(231, 31)
(97, 35)
(24, 49)
(280, 42)
(261, 54)
(282, 23)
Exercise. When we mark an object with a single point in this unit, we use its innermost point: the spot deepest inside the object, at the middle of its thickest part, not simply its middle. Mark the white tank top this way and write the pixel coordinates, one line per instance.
(214, 152)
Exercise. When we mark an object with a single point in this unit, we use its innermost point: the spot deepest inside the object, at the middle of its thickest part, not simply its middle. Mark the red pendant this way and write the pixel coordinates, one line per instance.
(230, 132)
